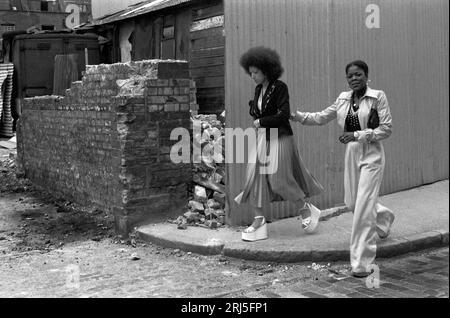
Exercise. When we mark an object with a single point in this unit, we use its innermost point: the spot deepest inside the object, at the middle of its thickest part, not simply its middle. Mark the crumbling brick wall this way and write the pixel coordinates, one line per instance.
(107, 142)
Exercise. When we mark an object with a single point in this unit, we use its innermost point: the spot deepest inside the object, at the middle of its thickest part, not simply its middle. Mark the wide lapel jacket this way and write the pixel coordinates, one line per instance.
(275, 107)
(254, 110)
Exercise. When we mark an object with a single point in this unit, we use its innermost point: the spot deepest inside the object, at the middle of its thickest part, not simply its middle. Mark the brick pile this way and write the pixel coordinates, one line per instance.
(206, 206)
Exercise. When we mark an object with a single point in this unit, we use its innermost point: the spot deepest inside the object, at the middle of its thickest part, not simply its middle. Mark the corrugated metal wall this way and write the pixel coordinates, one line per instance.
(407, 57)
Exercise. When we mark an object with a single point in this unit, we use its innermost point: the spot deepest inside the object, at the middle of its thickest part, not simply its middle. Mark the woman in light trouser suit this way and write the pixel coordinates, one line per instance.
(364, 161)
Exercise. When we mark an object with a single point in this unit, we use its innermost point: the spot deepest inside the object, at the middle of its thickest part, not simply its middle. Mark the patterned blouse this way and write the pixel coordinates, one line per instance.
(352, 121)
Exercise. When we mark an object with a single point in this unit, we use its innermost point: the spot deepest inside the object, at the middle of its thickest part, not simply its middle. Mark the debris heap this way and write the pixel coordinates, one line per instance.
(206, 206)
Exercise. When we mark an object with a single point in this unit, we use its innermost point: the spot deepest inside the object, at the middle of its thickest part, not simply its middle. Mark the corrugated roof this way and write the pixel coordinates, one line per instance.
(138, 9)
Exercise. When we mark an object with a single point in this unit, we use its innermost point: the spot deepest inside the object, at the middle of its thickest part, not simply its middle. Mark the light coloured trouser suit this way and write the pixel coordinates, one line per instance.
(364, 166)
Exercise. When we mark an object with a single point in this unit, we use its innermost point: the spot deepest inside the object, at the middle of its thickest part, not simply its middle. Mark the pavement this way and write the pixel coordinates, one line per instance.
(422, 221)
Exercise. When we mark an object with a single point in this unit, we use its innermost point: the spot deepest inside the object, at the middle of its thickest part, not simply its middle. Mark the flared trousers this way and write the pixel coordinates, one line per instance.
(364, 167)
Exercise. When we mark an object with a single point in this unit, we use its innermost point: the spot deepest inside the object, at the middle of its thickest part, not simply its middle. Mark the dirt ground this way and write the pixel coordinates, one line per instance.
(33, 219)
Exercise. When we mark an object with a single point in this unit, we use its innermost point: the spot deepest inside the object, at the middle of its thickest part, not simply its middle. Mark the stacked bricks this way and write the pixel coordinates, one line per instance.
(107, 141)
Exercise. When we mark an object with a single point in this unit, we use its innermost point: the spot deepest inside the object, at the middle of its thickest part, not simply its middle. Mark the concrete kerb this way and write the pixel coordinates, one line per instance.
(333, 212)
(287, 256)
(214, 248)
(413, 243)
(444, 236)
(391, 247)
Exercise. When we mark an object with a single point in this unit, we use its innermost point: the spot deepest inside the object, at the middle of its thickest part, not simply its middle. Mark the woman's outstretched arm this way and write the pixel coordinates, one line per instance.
(318, 118)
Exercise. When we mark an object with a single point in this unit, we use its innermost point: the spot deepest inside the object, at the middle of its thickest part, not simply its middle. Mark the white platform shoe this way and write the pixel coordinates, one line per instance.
(310, 223)
(251, 234)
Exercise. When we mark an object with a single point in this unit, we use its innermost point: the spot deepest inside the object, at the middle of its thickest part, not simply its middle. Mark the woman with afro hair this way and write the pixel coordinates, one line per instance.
(290, 181)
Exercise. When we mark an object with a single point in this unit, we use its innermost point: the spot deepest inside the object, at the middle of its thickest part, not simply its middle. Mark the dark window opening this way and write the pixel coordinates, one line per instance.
(168, 27)
(44, 6)
(169, 20)
(48, 27)
(168, 38)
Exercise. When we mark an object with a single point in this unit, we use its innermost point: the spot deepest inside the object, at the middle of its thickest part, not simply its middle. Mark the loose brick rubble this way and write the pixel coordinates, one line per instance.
(206, 206)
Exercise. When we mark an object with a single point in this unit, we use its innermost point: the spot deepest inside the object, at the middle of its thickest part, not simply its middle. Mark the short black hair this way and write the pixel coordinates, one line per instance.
(361, 64)
(265, 59)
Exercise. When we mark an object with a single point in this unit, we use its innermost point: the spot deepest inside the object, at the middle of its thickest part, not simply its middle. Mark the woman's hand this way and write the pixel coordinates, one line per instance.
(256, 124)
(347, 137)
(293, 116)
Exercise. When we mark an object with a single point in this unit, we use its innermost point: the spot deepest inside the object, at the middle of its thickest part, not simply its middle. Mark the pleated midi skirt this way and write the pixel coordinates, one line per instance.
(290, 180)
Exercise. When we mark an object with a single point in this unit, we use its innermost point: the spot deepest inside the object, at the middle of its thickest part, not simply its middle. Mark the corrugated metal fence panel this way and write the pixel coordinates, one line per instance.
(407, 58)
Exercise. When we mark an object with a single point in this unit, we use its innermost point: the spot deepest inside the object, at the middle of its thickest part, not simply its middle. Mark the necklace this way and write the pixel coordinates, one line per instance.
(355, 105)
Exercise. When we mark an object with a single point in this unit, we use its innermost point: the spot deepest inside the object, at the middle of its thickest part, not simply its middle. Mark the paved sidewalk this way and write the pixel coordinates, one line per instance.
(422, 221)
(416, 275)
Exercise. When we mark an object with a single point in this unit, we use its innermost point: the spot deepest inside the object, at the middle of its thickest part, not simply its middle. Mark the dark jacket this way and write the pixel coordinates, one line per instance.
(275, 108)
